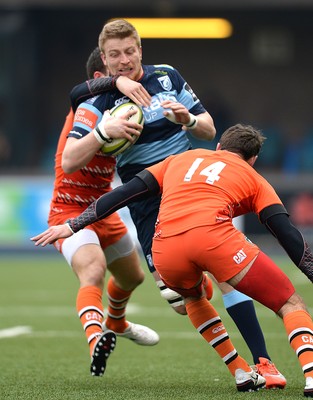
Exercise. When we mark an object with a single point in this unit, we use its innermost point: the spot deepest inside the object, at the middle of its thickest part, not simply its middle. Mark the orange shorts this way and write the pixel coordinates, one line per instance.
(221, 250)
(109, 230)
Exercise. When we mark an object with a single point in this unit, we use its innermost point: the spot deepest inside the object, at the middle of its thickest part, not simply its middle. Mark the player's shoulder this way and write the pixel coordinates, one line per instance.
(163, 66)
(159, 69)
(92, 101)
(96, 104)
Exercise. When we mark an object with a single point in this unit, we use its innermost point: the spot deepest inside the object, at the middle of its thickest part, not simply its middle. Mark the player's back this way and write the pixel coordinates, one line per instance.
(204, 187)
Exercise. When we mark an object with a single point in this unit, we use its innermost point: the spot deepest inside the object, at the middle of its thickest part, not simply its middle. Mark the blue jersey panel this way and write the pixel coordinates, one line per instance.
(160, 137)
(151, 153)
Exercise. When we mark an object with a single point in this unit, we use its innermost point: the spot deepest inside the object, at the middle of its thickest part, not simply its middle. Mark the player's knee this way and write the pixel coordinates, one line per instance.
(91, 275)
(180, 309)
(294, 303)
(174, 299)
(139, 277)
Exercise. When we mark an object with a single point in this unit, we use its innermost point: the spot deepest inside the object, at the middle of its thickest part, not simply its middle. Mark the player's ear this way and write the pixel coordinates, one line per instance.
(252, 160)
(218, 146)
(98, 74)
(103, 58)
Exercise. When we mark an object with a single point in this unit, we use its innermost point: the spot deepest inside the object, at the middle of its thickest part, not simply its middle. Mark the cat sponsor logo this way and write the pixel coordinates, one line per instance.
(239, 257)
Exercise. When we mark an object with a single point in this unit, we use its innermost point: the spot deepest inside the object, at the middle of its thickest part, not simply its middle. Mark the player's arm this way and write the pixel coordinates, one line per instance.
(93, 87)
(142, 186)
(276, 220)
(77, 153)
(201, 126)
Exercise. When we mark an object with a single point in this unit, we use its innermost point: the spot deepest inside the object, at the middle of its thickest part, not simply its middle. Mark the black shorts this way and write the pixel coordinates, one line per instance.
(144, 215)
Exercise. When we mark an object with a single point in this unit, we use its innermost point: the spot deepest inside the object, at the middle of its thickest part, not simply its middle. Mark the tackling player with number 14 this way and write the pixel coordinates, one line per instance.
(202, 191)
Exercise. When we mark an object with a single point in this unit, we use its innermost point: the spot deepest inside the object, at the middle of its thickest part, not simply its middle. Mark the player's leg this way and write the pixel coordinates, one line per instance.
(208, 323)
(267, 284)
(189, 281)
(144, 215)
(83, 252)
(241, 309)
(124, 264)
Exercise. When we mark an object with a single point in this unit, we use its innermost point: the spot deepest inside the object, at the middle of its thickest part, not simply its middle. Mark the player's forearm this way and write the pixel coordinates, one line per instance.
(204, 129)
(291, 239)
(135, 190)
(78, 153)
(91, 88)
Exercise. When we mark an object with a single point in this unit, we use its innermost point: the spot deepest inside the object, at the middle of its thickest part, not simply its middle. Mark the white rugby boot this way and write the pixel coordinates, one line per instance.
(248, 381)
(139, 334)
(308, 389)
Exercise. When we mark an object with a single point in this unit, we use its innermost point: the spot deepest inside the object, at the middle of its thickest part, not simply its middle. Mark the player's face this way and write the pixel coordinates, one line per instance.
(123, 57)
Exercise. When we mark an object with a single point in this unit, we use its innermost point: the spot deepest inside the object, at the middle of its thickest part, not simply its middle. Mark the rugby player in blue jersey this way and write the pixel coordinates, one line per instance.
(174, 109)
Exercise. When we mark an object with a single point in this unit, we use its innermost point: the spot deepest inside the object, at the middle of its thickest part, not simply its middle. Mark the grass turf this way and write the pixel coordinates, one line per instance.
(51, 361)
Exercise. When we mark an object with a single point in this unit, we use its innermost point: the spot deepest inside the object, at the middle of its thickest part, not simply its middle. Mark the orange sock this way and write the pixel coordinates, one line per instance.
(118, 299)
(90, 311)
(208, 323)
(299, 327)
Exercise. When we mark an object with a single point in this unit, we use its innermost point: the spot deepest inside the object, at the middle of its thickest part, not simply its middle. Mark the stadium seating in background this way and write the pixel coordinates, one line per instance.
(306, 152)
(272, 153)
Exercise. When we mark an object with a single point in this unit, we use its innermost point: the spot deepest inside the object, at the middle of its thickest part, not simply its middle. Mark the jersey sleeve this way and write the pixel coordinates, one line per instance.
(265, 195)
(91, 88)
(187, 96)
(86, 118)
(158, 170)
(259, 196)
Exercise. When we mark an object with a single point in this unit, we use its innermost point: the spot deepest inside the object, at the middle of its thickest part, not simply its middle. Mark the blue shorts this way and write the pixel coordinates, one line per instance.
(144, 215)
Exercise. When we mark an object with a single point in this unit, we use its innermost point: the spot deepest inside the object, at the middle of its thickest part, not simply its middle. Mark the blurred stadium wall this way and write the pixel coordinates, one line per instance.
(261, 75)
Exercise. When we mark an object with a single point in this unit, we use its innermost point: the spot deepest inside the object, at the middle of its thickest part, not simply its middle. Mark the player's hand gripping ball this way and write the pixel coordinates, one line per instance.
(117, 146)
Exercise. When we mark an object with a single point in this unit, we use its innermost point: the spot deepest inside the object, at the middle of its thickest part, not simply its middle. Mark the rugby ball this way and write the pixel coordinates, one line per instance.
(117, 146)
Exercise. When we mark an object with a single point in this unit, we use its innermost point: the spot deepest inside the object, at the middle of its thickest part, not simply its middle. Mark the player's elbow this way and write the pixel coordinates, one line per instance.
(208, 133)
(211, 132)
(206, 130)
(68, 166)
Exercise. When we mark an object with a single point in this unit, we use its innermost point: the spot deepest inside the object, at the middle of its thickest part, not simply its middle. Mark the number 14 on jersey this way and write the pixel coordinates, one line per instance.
(212, 171)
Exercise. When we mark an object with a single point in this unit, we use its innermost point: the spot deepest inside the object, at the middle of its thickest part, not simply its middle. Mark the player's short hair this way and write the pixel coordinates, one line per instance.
(118, 29)
(95, 63)
(242, 139)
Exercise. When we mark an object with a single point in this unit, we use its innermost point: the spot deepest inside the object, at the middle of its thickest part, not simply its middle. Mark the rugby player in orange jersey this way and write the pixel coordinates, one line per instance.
(105, 244)
(202, 191)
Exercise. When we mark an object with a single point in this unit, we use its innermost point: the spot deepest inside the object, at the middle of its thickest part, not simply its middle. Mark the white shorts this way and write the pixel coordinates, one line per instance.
(122, 248)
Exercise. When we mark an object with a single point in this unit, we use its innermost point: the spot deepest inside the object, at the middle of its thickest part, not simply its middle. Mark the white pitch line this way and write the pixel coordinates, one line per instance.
(15, 331)
(183, 335)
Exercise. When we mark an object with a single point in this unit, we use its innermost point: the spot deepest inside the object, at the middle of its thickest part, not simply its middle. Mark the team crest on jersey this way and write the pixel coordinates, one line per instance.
(165, 82)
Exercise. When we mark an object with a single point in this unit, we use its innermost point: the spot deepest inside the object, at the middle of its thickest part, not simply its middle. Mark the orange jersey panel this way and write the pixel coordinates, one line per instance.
(86, 117)
(204, 187)
(85, 185)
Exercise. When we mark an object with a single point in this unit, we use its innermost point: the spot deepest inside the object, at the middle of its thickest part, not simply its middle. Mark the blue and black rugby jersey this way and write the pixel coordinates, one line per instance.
(160, 137)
